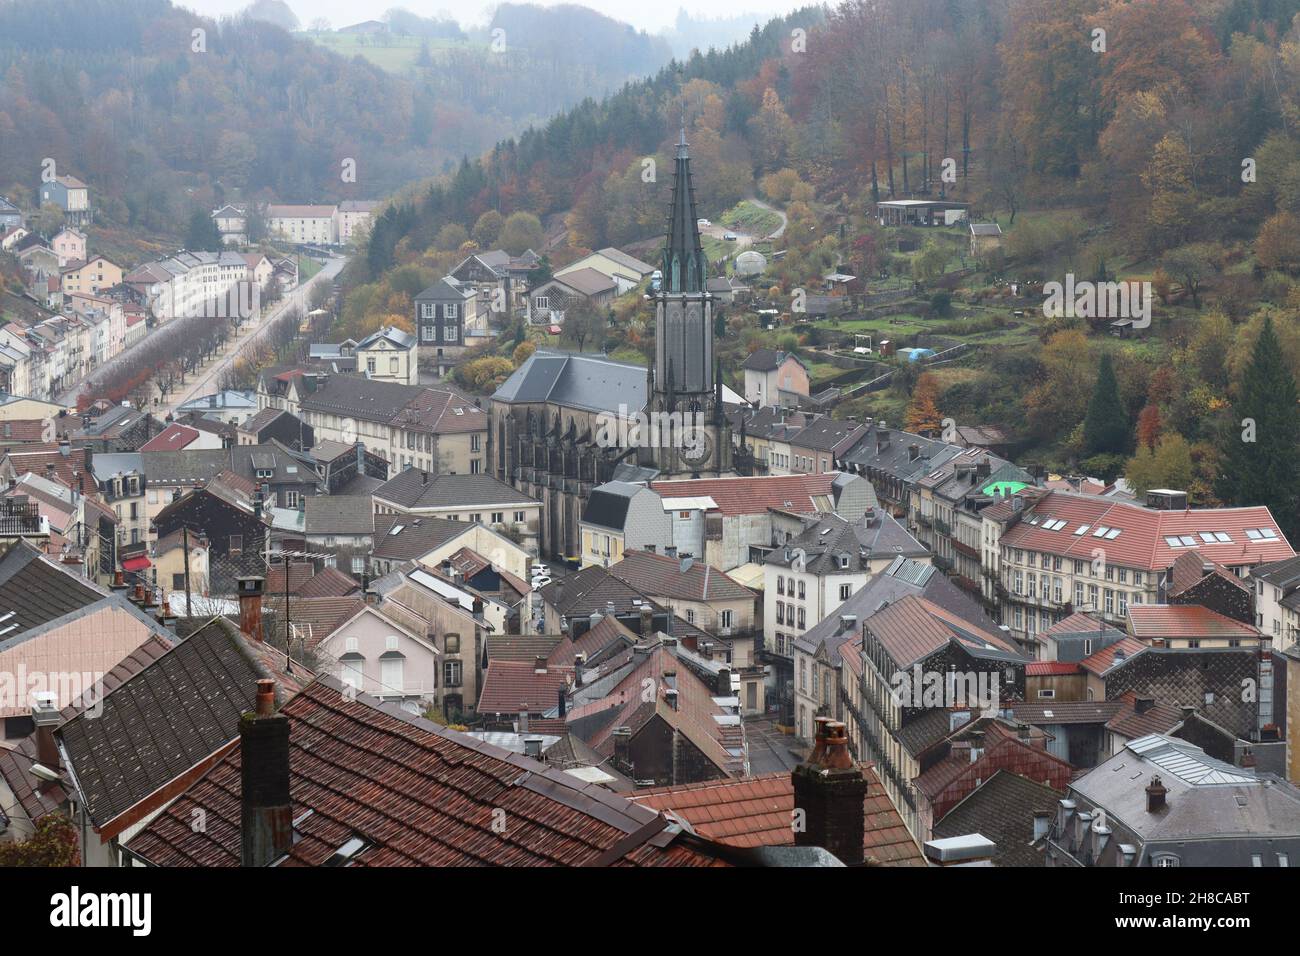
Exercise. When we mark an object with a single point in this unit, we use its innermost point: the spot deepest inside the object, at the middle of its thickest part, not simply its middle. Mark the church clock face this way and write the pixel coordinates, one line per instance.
(698, 450)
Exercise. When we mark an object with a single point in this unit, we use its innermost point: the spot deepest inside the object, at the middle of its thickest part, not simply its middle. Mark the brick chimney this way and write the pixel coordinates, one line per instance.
(1142, 704)
(266, 817)
(830, 792)
(250, 606)
(1156, 793)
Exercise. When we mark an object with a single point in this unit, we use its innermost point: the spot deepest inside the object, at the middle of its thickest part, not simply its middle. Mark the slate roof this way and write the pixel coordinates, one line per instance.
(608, 504)
(338, 514)
(1002, 809)
(437, 410)
(168, 717)
(416, 794)
(592, 589)
(35, 591)
(578, 381)
(1134, 720)
(876, 536)
(756, 812)
(768, 360)
(661, 576)
(827, 434)
(413, 488)
(404, 538)
(312, 619)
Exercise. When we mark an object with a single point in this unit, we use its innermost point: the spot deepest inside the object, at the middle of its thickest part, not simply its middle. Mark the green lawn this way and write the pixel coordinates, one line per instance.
(751, 219)
(307, 267)
(396, 54)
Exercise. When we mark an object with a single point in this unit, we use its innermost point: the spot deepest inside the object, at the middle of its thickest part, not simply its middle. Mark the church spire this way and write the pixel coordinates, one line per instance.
(684, 263)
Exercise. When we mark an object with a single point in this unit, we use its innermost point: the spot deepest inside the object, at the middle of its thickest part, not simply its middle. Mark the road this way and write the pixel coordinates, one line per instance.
(207, 378)
(744, 240)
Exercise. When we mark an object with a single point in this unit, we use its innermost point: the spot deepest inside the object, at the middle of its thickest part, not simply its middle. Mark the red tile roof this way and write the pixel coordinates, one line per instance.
(744, 496)
(417, 795)
(657, 575)
(172, 438)
(756, 812)
(1104, 659)
(1190, 568)
(1050, 668)
(913, 627)
(1149, 622)
(1158, 718)
(1141, 542)
(512, 686)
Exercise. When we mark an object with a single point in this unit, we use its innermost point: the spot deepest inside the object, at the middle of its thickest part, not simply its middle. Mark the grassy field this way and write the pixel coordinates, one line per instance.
(751, 219)
(307, 267)
(396, 54)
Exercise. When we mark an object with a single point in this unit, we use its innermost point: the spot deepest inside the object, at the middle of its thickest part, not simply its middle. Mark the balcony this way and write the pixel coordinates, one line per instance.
(20, 518)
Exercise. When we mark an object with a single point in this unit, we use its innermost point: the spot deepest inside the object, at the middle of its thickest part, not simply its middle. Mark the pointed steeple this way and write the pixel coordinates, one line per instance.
(684, 262)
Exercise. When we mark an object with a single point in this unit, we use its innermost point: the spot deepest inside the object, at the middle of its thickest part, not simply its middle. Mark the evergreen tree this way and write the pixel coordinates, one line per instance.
(202, 235)
(1260, 449)
(1105, 429)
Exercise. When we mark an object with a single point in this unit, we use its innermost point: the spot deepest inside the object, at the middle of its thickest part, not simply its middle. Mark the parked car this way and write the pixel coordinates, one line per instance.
(730, 236)
(703, 223)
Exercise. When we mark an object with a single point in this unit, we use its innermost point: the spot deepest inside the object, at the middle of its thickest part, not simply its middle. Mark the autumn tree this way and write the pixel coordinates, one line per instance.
(1167, 465)
(1105, 428)
(1278, 244)
(923, 414)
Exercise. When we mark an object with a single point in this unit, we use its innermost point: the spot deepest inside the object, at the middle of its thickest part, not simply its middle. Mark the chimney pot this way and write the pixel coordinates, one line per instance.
(266, 817)
(831, 793)
(250, 605)
(1156, 794)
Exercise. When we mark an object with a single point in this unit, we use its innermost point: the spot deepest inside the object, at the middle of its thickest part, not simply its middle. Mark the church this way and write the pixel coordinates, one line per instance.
(550, 420)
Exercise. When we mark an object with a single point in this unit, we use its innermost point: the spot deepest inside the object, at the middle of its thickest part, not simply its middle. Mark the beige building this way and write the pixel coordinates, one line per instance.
(388, 355)
(92, 276)
(302, 224)
(69, 245)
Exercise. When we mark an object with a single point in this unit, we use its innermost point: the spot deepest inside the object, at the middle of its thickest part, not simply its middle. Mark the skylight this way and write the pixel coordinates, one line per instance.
(1112, 534)
(1101, 531)
(1082, 529)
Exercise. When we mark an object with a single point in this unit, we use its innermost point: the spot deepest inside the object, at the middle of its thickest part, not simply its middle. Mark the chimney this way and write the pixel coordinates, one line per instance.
(913, 452)
(622, 748)
(65, 447)
(724, 682)
(579, 662)
(647, 620)
(523, 718)
(45, 715)
(1142, 704)
(830, 792)
(563, 707)
(250, 606)
(1248, 758)
(976, 745)
(533, 747)
(1023, 731)
(424, 478)
(266, 818)
(670, 695)
(1156, 793)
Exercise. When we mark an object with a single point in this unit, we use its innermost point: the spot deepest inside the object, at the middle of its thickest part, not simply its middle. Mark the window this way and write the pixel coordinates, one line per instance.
(426, 310)
(370, 365)
(801, 590)
(451, 673)
(450, 333)
(236, 544)
(845, 589)
(519, 516)
(1165, 860)
(390, 642)
(725, 619)
(426, 333)
(780, 584)
(1047, 693)
(475, 442)
(352, 670)
(802, 619)
(498, 517)
(690, 616)
(178, 582)
(452, 310)
(451, 643)
(780, 612)
(291, 499)
(392, 675)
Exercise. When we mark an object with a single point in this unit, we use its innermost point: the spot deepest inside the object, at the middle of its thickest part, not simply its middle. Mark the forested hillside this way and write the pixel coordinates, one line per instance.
(1150, 141)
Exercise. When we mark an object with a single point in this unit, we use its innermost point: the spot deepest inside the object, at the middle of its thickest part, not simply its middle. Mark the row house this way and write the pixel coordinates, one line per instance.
(93, 275)
(1046, 555)
(192, 283)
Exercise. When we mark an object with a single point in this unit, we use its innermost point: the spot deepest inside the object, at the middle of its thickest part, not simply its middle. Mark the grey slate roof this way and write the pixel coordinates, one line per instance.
(877, 535)
(1002, 809)
(586, 382)
(338, 514)
(35, 591)
(413, 488)
(608, 504)
(403, 538)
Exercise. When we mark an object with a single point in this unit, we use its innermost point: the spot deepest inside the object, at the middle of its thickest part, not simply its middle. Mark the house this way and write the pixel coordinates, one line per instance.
(232, 223)
(303, 224)
(661, 725)
(757, 812)
(93, 275)
(69, 245)
(721, 520)
(236, 530)
(10, 235)
(573, 605)
(340, 523)
(177, 437)
(388, 355)
(1277, 599)
(812, 574)
(192, 697)
(1060, 552)
(275, 424)
(708, 599)
(374, 653)
(921, 212)
(1193, 580)
(476, 498)
(548, 303)
(774, 378)
(232, 405)
(1167, 808)
(445, 315)
(71, 195)
(11, 217)
(1010, 810)
(408, 426)
(903, 700)
(985, 239)
(522, 689)
(352, 219)
(626, 271)
(169, 558)
(619, 517)
(583, 825)
(1188, 626)
(820, 445)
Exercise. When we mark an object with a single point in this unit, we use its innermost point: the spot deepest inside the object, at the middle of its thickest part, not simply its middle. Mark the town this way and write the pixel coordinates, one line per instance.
(454, 524)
